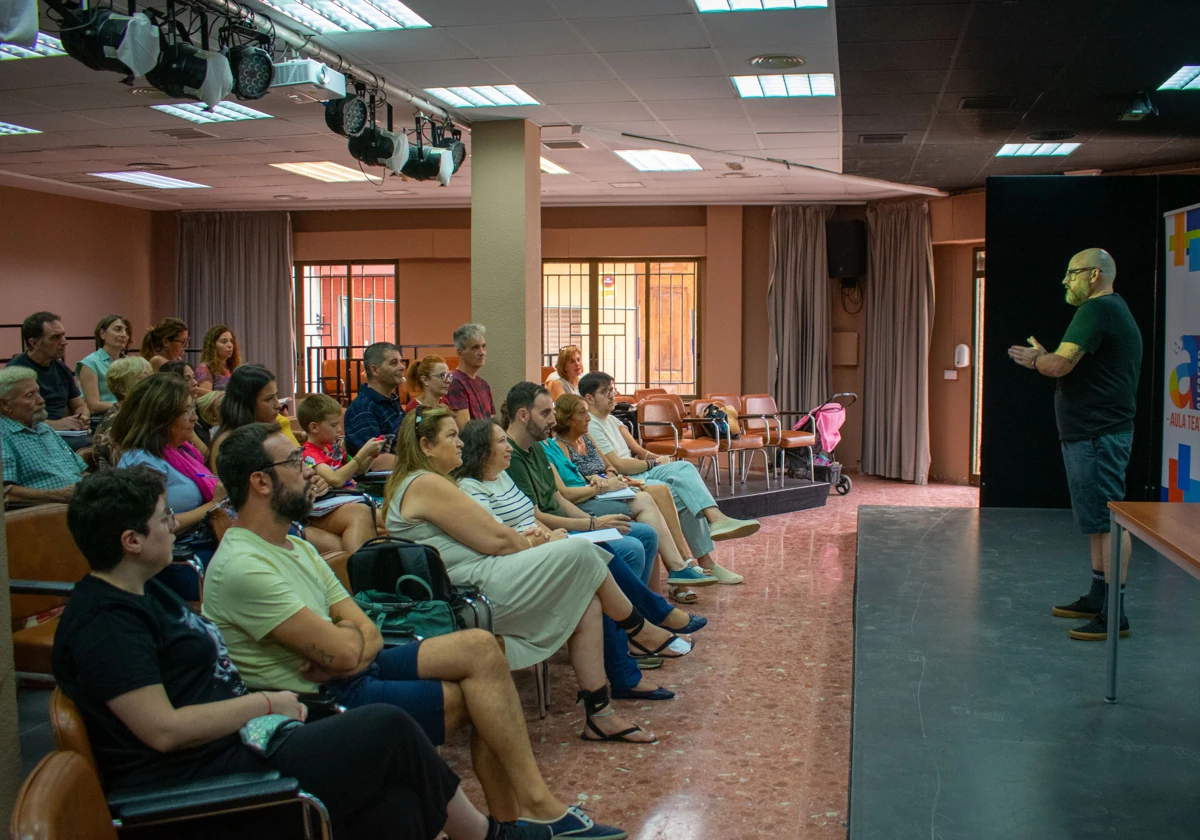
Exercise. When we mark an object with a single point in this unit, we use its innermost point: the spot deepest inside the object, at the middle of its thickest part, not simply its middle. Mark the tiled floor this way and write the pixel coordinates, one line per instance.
(756, 744)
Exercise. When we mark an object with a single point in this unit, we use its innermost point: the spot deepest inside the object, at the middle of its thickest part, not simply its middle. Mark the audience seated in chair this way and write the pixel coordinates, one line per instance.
(252, 397)
(429, 382)
(703, 522)
(44, 340)
(290, 624)
(376, 410)
(154, 430)
(470, 396)
(581, 473)
(567, 370)
(545, 590)
(320, 416)
(163, 703)
(165, 342)
(122, 376)
(220, 356)
(181, 368)
(487, 452)
(112, 338)
(39, 466)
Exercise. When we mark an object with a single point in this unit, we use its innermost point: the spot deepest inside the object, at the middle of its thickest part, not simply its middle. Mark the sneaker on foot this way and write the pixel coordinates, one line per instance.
(690, 576)
(1081, 607)
(1096, 630)
(575, 823)
(731, 529)
(517, 831)
(724, 576)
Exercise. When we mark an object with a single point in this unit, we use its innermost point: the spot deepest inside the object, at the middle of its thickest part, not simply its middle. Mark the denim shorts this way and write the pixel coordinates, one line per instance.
(392, 678)
(1096, 476)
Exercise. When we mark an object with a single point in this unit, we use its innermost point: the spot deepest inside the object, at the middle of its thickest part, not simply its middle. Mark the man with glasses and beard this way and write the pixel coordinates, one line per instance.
(291, 625)
(1097, 366)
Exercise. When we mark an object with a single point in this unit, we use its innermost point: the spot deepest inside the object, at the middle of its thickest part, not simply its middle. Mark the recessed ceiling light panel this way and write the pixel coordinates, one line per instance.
(552, 168)
(1187, 78)
(1037, 149)
(627, 185)
(483, 96)
(349, 15)
(653, 160)
(757, 5)
(45, 46)
(10, 130)
(224, 112)
(149, 179)
(325, 170)
(791, 85)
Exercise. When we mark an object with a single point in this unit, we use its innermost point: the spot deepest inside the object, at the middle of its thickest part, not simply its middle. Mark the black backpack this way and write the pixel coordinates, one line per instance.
(382, 561)
(717, 425)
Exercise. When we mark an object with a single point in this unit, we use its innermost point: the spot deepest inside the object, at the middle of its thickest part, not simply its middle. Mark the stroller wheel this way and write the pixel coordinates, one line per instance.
(844, 485)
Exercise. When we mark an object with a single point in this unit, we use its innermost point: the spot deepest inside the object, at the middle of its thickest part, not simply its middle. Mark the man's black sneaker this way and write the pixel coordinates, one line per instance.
(1096, 630)
(1080, 608)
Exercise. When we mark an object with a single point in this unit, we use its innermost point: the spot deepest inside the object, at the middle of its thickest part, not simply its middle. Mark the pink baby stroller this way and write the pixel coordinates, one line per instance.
(826, 419)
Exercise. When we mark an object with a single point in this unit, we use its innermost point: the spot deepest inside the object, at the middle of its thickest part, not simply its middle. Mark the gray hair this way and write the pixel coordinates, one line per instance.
(374, 354)
(10, 376)
(464, 334)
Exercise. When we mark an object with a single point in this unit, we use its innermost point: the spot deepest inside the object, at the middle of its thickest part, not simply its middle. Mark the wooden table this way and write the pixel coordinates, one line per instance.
(1170, 528)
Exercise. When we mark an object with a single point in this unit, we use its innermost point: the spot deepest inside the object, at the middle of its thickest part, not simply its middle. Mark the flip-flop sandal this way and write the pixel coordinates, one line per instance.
(682, 595)
(666, 650)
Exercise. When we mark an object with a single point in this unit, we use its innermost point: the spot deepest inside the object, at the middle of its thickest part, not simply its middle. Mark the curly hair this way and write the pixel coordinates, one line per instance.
(564, 410)
(477, 447)
(208, 352)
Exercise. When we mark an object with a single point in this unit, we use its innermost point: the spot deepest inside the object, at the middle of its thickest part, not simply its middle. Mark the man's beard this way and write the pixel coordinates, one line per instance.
(1076, 296)
(535, 433)
(291, 506)
(39, 416)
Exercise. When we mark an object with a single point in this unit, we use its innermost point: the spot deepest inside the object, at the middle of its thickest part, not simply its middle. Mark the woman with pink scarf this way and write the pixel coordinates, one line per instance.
(153, 430)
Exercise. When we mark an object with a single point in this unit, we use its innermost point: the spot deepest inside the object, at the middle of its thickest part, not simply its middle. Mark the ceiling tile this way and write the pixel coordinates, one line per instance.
(475, 12)
(763, 29)
(713, 87)
(697, 109)
(587, 9)
(904, 55)
(605, 112)
(553, 68)
(407, 45)
(523, 39)
(624, 34)
(904, 23)
(667, 64)
(564, 93)
(426, 74)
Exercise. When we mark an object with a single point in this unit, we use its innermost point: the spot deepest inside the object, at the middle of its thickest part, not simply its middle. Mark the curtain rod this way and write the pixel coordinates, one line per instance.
(304, 44)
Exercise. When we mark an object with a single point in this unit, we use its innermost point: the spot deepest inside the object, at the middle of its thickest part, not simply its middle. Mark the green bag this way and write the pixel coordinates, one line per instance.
(397, 615)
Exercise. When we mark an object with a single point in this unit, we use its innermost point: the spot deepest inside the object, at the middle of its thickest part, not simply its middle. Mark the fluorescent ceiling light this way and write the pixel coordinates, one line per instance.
(1188, 78)
(552, 168)
(224, 112)
(653, 160)
(757, 5)
(149, 179)
(327, 171)
(349, 15)
(8, 130)
(44, 47)
(1036, 149)
(626, 185)
(790, 85)
(483, 96)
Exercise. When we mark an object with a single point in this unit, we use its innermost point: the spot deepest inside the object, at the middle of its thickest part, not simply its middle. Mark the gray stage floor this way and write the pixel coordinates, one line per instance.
(975, 716)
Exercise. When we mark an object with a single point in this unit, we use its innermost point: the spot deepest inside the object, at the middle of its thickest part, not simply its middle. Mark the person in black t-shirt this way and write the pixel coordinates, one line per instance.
(163, 703)
(43, 338)
(1097, 366)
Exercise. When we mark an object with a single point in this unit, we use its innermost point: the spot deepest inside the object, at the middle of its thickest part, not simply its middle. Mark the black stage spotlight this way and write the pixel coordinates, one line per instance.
(376, 146)
(104, 40)
(253, 71)
(347, 117)
(439, 160)
(187, 72)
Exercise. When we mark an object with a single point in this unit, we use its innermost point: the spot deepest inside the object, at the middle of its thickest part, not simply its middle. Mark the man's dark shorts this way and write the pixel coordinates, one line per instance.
(1096, 476)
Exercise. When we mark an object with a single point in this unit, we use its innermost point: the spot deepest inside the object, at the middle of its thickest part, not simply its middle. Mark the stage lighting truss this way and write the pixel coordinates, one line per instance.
(437, 157)
(349, 116)
(251, 59)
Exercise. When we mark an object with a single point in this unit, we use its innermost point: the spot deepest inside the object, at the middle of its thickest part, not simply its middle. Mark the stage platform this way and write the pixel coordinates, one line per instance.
(976, 717)
(752, 499)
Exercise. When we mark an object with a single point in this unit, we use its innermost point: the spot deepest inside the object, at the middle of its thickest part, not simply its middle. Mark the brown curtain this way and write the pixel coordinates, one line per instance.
(899, 311)
(236, 269)
(798, 306)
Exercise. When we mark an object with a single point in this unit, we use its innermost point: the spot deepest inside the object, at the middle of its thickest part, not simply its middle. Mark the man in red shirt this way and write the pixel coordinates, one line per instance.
(470, 397)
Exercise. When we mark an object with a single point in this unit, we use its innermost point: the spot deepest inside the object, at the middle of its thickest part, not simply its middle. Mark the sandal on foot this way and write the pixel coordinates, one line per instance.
(695, 622)
(596, 704)
(672, 648)
(650, 663)
(682, 595)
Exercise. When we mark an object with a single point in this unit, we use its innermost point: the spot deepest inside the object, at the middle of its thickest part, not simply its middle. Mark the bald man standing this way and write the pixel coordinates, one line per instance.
(1097, 366)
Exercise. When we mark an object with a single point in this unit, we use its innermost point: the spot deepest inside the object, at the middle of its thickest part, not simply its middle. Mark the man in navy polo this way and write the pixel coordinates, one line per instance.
(376, 410)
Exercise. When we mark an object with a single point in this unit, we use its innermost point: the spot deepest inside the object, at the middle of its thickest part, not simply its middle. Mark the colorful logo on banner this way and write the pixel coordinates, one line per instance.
(1182, 386)
(1179, 244)
(1181, 356)
(1181, 486)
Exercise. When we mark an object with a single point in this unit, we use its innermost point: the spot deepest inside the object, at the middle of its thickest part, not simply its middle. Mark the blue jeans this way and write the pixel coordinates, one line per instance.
(392, 679)
(1095, 477)
(633, 557)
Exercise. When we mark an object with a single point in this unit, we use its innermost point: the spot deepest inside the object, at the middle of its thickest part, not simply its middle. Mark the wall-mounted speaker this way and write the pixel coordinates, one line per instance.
(846, 247)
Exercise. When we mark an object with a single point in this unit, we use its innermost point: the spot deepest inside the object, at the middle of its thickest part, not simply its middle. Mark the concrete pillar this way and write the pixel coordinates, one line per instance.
(10, 741)
(506, 249)
(721, 303)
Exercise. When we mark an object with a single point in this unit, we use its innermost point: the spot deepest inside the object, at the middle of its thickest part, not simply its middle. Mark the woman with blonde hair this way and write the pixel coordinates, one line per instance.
(123, 375)
(165, 342)
(567, 370)
(220, 356)
(546, 589)
(112, 335)
(428, 382)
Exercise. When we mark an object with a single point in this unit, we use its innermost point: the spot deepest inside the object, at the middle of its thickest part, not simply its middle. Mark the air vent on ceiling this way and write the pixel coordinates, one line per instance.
(880, 139)
(185, 133)
(558, 145)
(987, 103)
(1052, 136)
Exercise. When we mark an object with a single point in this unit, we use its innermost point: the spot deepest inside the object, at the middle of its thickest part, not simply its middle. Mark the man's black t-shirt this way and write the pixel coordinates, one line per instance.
(110, 642)
(55, 381)
(1099, 397)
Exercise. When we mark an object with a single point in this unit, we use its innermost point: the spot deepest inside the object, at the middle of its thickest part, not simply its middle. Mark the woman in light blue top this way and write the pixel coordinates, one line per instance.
(112, 337)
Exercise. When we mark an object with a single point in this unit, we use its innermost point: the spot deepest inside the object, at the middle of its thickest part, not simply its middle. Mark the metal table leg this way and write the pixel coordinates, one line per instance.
(1114, 607)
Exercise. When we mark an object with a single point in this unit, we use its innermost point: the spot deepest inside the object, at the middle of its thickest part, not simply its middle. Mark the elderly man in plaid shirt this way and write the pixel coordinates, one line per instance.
(39, 466)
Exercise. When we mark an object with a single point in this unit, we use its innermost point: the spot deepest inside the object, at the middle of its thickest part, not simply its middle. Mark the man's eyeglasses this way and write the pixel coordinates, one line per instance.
(1071, 272)
(169, 517)
(294, 461)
